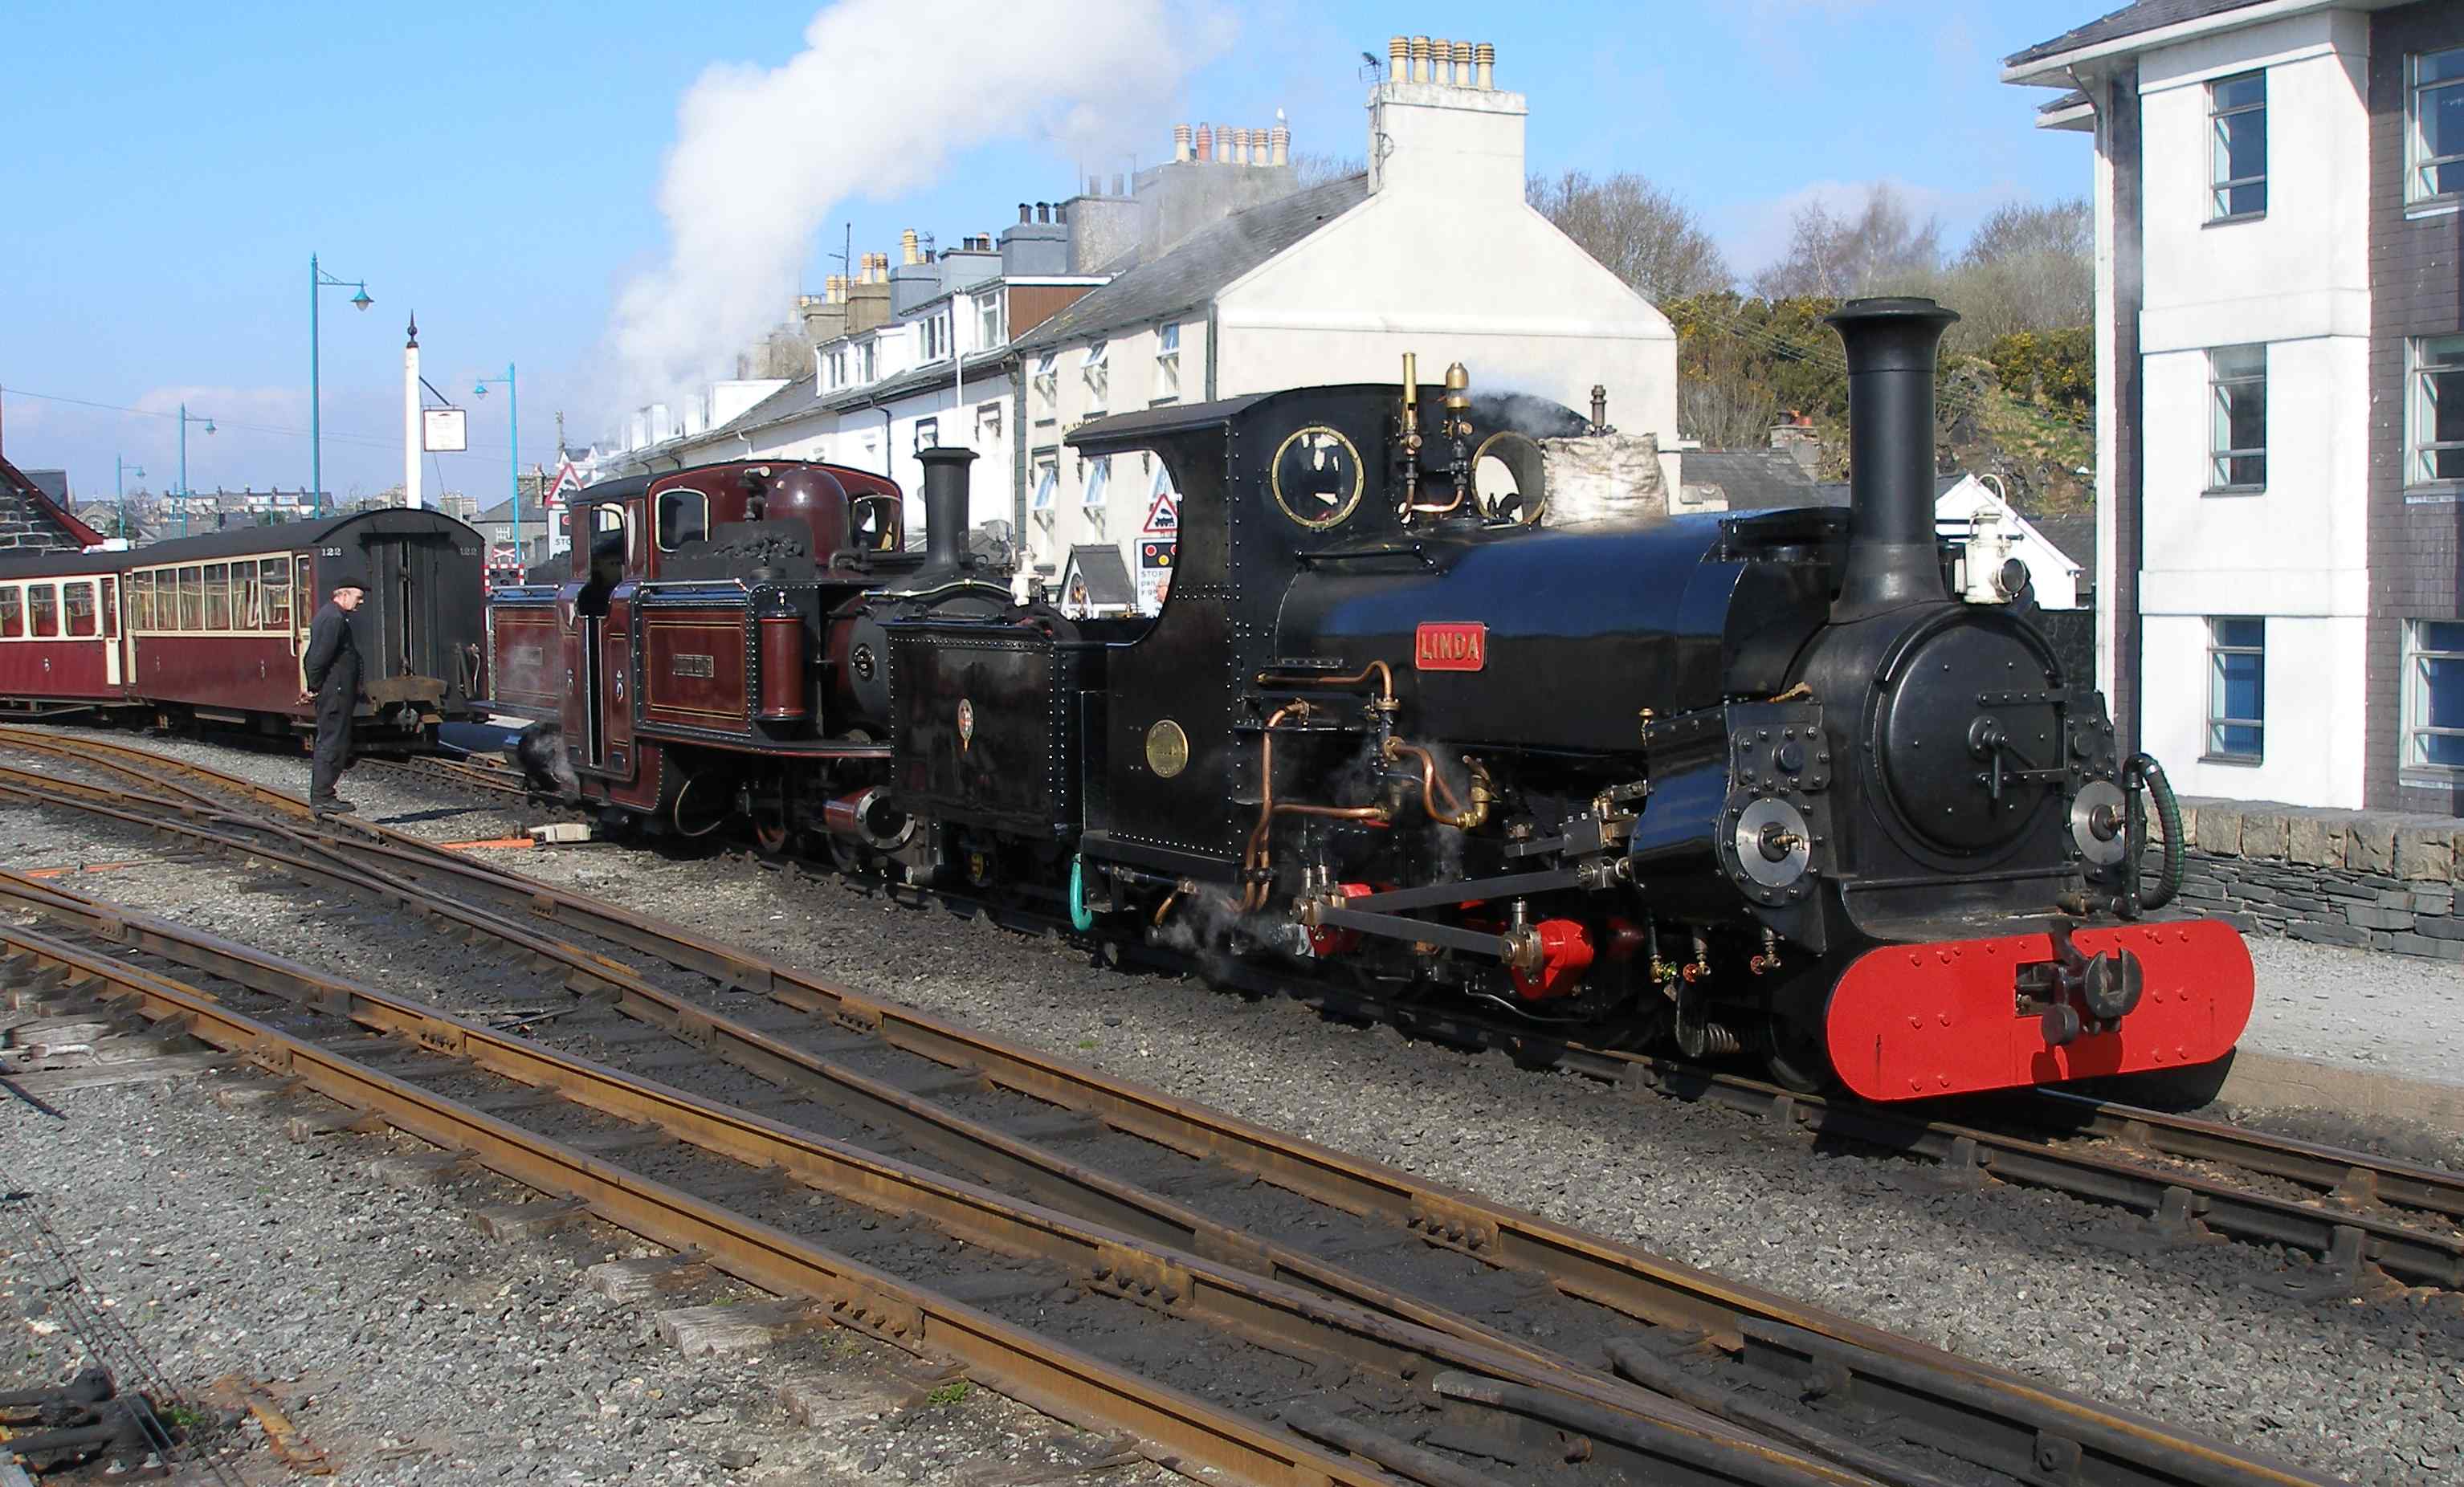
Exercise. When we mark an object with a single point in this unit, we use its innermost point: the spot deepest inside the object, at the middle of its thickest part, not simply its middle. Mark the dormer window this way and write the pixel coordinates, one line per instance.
(937, 338)
(990, 331)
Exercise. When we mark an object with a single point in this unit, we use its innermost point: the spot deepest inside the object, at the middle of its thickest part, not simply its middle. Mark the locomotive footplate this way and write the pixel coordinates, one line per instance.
(1959, 1017)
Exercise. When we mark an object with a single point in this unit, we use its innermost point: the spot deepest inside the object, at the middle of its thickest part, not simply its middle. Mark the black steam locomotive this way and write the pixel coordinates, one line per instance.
(1753, 782)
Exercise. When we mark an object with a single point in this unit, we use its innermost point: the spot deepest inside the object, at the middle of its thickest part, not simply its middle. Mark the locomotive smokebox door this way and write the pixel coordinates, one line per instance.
(977, 733)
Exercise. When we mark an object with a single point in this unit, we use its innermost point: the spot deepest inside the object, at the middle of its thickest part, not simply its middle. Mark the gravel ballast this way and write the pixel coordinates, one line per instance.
(2369, 1389)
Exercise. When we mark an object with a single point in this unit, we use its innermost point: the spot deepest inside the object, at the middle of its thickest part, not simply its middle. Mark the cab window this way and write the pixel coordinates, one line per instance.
(684, 516)
(77, 599)
(273, 580)
(43, 607)
(13, 612)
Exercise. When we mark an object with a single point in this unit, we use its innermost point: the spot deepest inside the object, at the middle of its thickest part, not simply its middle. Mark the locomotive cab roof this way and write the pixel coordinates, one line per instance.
(283, 536)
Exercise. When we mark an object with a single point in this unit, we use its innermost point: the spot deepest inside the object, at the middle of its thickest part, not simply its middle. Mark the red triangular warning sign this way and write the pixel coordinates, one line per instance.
(1164, 517)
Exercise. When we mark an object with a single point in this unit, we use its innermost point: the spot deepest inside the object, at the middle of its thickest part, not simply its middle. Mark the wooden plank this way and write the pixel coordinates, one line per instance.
(127, 1071)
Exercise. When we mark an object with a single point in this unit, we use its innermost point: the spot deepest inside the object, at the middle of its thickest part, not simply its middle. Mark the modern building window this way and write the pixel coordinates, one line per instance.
(1097, 371)
(2237, 395)
(1167, 363)
(2434, 694)
(990, 331)
(2237, 689)
(1047, 385)
(2433, 415)
(2237, 116)
(2433, 116)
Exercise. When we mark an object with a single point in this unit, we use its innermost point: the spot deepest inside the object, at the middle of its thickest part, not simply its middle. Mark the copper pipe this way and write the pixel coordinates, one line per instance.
(1379, 669)
(1438, 799)
(1253, 894)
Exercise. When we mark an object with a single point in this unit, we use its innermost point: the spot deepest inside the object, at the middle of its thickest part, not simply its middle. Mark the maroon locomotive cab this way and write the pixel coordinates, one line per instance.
(787, 689)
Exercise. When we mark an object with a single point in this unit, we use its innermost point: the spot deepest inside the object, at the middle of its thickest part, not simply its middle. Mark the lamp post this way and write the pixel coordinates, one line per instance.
(120, 468)
(185, 418)
(513, 427)
(319, 281)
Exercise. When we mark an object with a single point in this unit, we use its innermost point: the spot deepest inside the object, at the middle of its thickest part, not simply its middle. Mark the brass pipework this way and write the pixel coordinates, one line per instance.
(1410, 430)
(1458, 388)
(1768, 959)
(1436, 797)
(1383, 673)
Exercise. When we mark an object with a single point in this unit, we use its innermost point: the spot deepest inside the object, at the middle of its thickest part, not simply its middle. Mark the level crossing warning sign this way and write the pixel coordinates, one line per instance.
(1164, 517)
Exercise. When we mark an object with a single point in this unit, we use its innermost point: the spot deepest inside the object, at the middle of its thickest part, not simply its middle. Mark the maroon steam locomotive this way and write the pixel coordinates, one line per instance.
(1750, 782)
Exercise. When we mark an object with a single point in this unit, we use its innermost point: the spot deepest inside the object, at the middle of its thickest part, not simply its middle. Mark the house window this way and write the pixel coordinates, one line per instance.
(2434, 411)
(2236, 688)
(928, 433)
(1167, 363)
(2434, 126)
(1047, 481)
(937, 338)
(2237, 394)
(865, 364)
(1047, 385)
(988, 425)
(989, 330)
(2238, 113)
(838, 364)
(2434, 694)
(1097, 370)
(1099, 479)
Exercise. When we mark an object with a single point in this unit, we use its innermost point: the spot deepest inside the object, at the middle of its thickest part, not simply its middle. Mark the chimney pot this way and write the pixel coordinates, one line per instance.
(1441, 60)
(1043, 212)
(1399, 66)
(1259, 154)
(1206, 141)
(1025, 213)
(1463, 64)
(1180, 143)
(1094, 186)
(907, 253)
(1484, 59)
(1239, 147)
(1282, 145)
(1420, 58)
(1120, 184)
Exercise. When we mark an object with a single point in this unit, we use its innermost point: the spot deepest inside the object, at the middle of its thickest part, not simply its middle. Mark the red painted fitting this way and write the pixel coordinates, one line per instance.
(1565, 954)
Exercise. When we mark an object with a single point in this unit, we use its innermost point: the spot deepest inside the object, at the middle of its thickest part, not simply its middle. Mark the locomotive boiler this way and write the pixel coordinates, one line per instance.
(1750, 782)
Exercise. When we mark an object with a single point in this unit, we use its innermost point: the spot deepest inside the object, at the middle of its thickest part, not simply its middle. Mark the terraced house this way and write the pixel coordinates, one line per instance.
(2280, 192)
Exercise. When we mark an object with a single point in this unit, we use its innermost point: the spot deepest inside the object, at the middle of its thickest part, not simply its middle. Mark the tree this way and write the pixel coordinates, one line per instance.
(1311, 168)
(1835, 255)
(1640, 234)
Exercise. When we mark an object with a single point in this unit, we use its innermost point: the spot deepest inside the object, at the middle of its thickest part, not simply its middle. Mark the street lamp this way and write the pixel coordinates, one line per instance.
(120, 469)
(319, 281)
(185, 418)
(513, 423)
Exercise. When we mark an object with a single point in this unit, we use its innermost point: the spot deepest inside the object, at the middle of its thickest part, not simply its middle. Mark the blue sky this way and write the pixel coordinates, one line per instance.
(168, 169)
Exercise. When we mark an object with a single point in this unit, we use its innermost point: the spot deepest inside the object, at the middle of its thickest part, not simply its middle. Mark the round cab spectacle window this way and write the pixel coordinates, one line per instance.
(1317, 477)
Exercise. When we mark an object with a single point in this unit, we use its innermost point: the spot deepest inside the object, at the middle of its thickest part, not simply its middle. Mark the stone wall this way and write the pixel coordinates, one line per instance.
(2373, 880)
(26, 527)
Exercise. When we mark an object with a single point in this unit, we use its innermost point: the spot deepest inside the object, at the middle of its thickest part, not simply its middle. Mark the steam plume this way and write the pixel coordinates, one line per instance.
(881, 96)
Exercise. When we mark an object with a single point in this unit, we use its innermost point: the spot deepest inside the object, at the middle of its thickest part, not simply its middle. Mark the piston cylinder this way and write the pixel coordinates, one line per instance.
(867, 816)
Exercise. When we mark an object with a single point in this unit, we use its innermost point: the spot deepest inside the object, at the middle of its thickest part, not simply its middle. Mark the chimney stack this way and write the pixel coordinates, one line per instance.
(1206, 142)
(945, 507)
(907, 247)
(1484, 59)
(1180, 145)
(1420, 58)
(1892, 560)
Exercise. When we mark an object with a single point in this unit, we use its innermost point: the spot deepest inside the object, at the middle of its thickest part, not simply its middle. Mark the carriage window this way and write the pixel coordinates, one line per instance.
(192, 600)
(110, 609)
(43, 609)
(303, 591)
(684, 516)
(140, 601)
(13, 612)
(219, 596)
(243, 596)
(77, 599)
(273, 580)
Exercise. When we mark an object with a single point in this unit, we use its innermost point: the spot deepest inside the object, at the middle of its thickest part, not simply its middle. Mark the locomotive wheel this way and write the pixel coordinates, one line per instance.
(770, 836)
(1796, 1060)
(847, 857)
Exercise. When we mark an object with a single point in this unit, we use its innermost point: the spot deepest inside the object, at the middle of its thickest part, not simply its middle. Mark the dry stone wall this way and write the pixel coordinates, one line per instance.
(2372, 880)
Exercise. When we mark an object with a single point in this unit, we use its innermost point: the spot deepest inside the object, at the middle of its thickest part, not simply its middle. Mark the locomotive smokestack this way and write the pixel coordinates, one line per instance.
(1892, 559)
(945, 507)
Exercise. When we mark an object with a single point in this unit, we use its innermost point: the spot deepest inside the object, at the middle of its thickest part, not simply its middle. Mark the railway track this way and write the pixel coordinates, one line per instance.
(1156, 1172)
(468, 773)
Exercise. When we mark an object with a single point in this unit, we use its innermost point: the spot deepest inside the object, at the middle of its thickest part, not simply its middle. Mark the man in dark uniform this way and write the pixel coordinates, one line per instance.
(330, 668)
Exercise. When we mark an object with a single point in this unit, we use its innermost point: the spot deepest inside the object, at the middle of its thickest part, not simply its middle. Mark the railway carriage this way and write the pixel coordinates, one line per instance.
(212, 628)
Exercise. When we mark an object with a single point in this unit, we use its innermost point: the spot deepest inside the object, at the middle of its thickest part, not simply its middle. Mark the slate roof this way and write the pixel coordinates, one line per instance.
(1756, 479)
(53, 483)
(501, 515)
(1107, 575)
(2128, 21)
(2075, 536)
(1193, 272)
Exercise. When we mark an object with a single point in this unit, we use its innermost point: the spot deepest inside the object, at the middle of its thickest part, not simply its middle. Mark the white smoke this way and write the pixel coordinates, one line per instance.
(881, 96)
